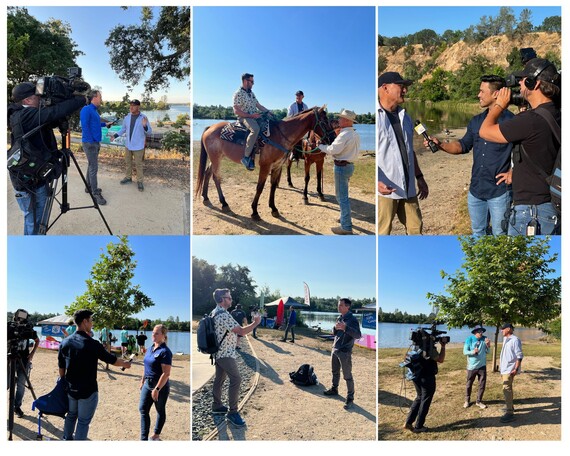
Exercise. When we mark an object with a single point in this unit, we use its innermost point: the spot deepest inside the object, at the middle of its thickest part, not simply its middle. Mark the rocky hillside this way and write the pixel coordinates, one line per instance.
(495, 48)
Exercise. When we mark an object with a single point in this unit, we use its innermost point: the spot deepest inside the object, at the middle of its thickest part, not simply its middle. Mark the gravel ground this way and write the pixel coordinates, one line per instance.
(202, 419)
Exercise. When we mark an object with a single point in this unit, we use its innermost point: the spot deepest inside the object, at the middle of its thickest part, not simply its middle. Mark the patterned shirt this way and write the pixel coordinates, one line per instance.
(223, 322)
(245, 100)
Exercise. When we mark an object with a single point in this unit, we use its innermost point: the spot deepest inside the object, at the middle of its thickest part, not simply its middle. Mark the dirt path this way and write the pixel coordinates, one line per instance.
(163, 207)
(304, 413)
(296, 217)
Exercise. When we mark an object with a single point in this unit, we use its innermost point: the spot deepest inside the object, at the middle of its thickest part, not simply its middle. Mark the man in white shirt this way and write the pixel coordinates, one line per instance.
(510, 365)
(398, 168)
(298, 106)
(344, 151)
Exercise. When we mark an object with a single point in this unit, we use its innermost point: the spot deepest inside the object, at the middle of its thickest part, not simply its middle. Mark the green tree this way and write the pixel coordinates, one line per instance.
(551, 24)
(503, 278)
(175, 141)
(110, 292)
(435, 88)
(525, 23)
(238, 279)
(161, 47)
(37, 49)
(203, 285)
(382, 63)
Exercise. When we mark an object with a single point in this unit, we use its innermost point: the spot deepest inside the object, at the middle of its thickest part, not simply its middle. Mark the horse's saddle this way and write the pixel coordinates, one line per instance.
(237, 133)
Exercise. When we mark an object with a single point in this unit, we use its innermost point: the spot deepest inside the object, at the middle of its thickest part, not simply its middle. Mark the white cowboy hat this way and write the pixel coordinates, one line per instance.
(348, 114)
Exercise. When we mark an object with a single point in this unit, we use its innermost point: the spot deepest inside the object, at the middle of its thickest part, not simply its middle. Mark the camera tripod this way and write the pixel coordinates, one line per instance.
(66, 155)
(15, 362)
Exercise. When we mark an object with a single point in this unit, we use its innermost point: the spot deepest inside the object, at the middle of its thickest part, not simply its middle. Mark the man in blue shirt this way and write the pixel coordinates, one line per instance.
(476, 348)
(489, 195)
(135, 128)
(290, 325)
(91, 141)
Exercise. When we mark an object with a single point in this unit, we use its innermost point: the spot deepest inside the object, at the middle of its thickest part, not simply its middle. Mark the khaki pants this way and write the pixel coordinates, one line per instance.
(253, 128)
(138, 156)
(408, 211)
(508, 392)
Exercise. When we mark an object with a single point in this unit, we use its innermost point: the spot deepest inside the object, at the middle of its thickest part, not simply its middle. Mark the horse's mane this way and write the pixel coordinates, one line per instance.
(287, 119)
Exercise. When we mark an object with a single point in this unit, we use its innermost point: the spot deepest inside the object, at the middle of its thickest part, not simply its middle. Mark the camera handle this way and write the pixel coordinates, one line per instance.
(13, 365)
(66, 152)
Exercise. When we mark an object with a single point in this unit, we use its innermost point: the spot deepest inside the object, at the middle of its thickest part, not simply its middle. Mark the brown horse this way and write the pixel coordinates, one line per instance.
(310, 155)
(286, 133)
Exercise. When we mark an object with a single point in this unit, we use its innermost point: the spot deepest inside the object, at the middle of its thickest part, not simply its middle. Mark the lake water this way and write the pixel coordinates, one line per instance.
(367, 132)
(327, 320)
(174, 111)
(178, 342)
(397, 335)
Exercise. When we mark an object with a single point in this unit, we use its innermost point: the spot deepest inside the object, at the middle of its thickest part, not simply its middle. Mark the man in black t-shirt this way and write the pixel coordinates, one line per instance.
(535, 148)
(77, 361)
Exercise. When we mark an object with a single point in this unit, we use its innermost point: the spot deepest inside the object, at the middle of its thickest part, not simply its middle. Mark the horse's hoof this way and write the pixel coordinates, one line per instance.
(256, 217)
(291, 185)
(322, 198)
(226, 209)
(275, 214)
(306, 201)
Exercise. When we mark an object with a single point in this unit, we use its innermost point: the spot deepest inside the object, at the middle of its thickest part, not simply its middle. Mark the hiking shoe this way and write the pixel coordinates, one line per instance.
(126, 180)
(340, 230)
(18, 411)
(283, 340)
(466, 404)
(99, 198)
(140, 186)
(221, 410)
(245, 162)
(409, 427)
(332, 391)
(507, 418)
(348, 404)
(422, 429)
(480, 405)
(235, 419)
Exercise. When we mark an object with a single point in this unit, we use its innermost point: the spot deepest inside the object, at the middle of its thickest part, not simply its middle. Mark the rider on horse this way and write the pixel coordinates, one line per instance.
(246, 107)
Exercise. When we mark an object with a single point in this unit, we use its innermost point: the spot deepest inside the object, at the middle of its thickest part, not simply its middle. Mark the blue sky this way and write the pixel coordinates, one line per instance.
(327, 52)
(332, 266)
(409, 267)
(90, 28)
(63, 263)
(405, 20)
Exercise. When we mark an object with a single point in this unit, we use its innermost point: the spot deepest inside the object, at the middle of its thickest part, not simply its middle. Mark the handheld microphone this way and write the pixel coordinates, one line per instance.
(130, 360)
(421, 130)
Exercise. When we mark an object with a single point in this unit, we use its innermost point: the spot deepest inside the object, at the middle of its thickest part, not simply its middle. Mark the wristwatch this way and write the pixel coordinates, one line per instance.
(157, 388)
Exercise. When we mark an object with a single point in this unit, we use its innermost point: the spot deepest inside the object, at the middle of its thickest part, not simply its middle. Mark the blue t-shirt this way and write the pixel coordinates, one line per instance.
(154, 359)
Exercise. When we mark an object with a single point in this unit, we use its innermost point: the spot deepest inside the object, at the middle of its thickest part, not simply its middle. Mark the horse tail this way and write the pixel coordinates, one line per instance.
(202, 165)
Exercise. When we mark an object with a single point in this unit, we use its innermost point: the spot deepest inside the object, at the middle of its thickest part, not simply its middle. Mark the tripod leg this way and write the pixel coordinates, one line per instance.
(12, 399)
(27, 377)
(51, 191)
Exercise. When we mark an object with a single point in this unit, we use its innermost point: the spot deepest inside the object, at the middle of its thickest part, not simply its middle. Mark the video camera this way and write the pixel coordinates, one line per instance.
(55, 89)
(19, 329)
(426, 338)
(513, 80)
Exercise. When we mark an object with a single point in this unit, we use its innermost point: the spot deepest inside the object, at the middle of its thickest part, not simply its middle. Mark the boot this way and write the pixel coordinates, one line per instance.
(99, 198)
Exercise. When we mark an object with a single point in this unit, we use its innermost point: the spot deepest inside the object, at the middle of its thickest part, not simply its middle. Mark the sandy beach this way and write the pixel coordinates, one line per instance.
(117, 417)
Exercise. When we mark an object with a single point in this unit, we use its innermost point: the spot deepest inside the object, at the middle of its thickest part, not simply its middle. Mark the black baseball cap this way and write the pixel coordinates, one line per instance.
(391, 77)
(135, 102)
(23, 91)
(299, 92)
(507, 325)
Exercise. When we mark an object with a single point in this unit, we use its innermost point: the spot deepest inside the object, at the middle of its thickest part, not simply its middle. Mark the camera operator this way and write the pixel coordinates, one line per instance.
(22, 369)
(24, 115)
(532, 207)
(425, 388)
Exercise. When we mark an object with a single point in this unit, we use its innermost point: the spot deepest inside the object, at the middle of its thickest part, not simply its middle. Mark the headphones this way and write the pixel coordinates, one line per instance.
(530, 81)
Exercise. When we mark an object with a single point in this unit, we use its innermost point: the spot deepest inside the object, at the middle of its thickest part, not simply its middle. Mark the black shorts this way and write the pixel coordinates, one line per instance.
(124, 344)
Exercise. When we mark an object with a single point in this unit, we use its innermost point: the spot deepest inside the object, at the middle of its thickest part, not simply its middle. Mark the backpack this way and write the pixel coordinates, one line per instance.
(554, 179)
(206, 337)
(413, 364)
(304, 376)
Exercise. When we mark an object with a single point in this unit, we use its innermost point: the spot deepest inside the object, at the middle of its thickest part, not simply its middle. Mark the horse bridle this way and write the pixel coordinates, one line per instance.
(322, 124)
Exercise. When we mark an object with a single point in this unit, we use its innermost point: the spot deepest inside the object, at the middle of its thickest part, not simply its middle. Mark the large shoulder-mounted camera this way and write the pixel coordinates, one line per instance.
(55, 89)
(20, 329)
(513, 80)
(426, 338)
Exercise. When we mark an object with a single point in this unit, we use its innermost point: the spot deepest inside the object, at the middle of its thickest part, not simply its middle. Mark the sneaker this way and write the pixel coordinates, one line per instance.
(466, 404)
(235, 419)
(332, 391)
(283, 340)
(340, 230)
(507, 418)
(251, 165)
(245, 162)
(140, 186)
(221, 410)
(18, 411)
(348, 404)
(409, 427)
(480, 405)
(422, 429)
(156, 438)
(126, 180)
(292, 341)
(99, 198)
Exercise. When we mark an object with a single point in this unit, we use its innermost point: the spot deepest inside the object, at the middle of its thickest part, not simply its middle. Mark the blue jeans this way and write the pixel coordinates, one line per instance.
(521, 215)
(92, 153)
(24, 199)
(494, 209)
(80, 411)
(342, 175)
(145, 405)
